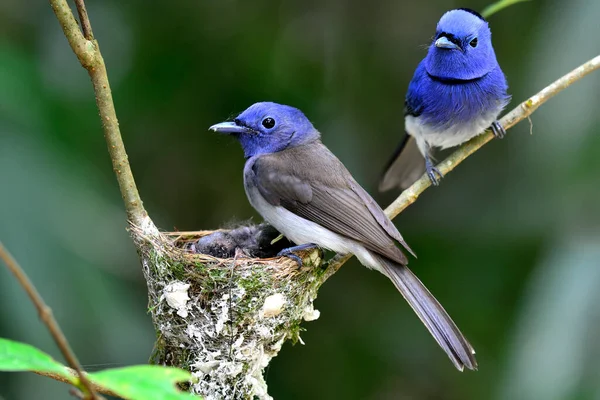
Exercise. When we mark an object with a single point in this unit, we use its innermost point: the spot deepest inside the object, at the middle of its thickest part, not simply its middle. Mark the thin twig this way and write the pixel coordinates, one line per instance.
(47, 318)
(86, 27)
(60, 378)
(88, 53)
(519, 113)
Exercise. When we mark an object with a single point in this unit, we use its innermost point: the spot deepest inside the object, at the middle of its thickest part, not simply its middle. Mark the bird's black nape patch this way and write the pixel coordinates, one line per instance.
(475, 13)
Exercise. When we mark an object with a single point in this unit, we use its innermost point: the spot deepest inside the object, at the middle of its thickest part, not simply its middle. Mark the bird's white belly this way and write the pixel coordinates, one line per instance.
(301, 231)
(454, 135)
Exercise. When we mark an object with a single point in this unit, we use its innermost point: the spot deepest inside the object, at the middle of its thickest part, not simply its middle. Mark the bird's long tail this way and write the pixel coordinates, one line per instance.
(405, 167)
(431, 313)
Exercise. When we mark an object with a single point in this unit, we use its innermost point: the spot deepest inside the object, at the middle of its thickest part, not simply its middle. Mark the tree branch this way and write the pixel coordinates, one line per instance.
(87, 51)
(47, 318)
(518, 114)
(86, 27)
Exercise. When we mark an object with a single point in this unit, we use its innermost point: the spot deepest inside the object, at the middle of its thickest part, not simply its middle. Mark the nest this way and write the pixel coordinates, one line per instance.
(224, 319)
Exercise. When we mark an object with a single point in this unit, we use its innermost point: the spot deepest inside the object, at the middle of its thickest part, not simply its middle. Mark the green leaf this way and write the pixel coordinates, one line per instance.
(138, 382)
(497, 6)
(15, 356)
(144, 382)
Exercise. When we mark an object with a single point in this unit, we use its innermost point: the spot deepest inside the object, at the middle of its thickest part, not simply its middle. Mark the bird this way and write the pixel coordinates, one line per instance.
(301, 188)
(256, 241)
(456, 93)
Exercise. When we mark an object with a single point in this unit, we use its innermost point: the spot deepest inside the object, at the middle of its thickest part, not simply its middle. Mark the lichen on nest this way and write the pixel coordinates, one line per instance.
(224, 319)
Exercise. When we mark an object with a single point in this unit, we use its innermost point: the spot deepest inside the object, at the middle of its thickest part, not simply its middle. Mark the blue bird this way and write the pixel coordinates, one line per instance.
(458, 90)
(306, 193)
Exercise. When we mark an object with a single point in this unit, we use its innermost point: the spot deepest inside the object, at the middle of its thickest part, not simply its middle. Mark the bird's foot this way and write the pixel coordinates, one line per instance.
(289, 252)
(498, 130)
(433, 173)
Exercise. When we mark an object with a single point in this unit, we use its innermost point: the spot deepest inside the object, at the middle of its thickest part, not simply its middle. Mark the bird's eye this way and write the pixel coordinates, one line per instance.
(268, 122)
(473, 42)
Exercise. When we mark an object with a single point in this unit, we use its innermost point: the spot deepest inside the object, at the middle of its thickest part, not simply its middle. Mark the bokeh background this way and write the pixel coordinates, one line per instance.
(509, 243)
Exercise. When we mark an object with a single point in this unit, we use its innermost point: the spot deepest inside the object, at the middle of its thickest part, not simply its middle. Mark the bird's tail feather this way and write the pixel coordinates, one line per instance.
(431, 313)
(405, 167)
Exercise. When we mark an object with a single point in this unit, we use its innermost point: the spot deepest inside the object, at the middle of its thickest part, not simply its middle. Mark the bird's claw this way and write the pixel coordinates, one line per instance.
(498, 130)
(289, 252)
(290, 255)
(433, 173)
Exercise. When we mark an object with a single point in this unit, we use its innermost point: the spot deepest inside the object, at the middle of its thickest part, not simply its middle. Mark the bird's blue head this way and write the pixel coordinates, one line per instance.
(462, 47)
(268, 128)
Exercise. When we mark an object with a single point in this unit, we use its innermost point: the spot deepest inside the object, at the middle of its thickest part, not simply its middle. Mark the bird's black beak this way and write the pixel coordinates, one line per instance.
(229, 128)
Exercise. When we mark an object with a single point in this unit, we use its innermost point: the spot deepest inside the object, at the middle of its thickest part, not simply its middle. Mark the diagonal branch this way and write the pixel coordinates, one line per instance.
(518, 114)
(48, 319)
(87, 51)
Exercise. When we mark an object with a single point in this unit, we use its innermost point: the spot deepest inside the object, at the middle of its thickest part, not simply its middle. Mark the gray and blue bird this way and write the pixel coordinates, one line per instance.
(457, 92)
(306, 193)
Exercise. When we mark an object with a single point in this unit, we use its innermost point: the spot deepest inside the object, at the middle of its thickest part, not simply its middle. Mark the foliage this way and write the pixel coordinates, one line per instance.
(133, 383)
(144, 382)
(15, 356)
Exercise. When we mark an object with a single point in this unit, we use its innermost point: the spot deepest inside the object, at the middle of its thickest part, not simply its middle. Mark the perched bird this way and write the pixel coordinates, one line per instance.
(458, 90)
(305, 192)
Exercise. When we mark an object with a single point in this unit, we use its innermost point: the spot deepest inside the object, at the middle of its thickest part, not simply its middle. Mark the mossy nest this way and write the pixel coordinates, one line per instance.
(223, 319)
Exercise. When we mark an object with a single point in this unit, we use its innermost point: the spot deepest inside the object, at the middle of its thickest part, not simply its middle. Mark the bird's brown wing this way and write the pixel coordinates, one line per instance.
(313, 184)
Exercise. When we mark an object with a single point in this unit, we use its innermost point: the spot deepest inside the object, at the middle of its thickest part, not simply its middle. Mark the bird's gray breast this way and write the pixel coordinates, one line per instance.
(297, 229)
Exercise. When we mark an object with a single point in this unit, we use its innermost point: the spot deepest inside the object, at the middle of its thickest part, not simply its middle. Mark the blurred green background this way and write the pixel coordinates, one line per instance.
(509, 243)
